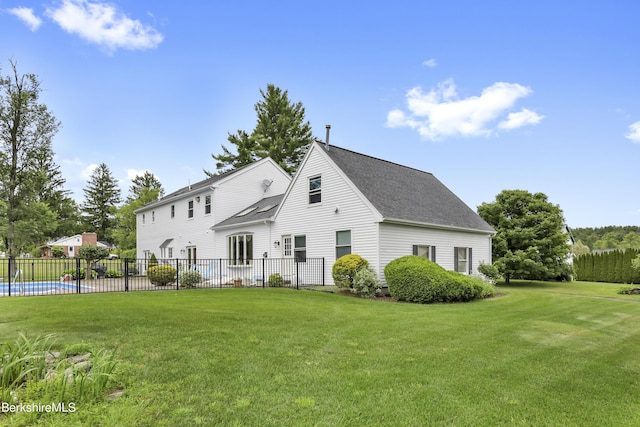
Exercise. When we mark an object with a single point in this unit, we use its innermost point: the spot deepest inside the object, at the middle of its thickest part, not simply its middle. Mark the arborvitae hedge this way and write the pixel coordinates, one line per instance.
(613, 267)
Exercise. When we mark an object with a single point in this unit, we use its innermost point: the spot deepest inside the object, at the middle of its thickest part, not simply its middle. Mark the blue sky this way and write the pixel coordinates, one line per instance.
(493, 95)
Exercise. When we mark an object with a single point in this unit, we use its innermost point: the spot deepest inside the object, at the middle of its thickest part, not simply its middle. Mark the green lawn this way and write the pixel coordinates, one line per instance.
(556, 354)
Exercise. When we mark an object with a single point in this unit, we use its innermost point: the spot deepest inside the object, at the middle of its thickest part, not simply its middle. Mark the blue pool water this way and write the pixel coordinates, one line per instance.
(39, 288)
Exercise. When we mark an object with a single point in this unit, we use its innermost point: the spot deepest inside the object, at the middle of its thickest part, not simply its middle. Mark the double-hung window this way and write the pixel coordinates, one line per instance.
(240, 249)
(343, 243)
(190, 209)
(173, 211)
(207, 204)
(315, 190)
(462, 259)
(425, 251)
(300, 248)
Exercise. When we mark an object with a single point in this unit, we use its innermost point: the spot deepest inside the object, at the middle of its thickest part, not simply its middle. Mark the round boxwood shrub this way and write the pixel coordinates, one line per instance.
(189, 278)
(345, 268)
(416, 279)
(161, 275)
(275, 280)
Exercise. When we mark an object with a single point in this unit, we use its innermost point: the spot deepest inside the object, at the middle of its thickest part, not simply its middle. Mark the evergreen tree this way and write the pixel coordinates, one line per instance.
(280, 133)
(143, 183)
(27, 129)
(530, 242)
(102, 195)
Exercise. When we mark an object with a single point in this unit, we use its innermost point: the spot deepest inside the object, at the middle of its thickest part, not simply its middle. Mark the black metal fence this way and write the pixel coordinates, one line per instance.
(43, 276)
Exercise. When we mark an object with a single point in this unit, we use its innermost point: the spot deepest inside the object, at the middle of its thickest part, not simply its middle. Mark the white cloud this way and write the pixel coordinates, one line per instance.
(104, 25)
(441, 113)
(634, 132)
(132, 173)
(88, 171)
(26, 15)
(521, 118)
(431, 63)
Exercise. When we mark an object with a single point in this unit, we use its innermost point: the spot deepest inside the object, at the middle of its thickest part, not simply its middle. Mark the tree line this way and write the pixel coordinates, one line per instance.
(610, 237)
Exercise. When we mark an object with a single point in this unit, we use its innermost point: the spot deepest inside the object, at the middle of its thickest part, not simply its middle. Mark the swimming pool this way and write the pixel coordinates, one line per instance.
(39, 288)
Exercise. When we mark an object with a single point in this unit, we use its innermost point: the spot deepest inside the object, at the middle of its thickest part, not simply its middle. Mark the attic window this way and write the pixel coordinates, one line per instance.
(315, 190)
(246, 211)
(267, 208)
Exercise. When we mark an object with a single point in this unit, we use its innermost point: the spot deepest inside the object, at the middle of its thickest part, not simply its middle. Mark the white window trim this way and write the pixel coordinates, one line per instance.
(314, 192)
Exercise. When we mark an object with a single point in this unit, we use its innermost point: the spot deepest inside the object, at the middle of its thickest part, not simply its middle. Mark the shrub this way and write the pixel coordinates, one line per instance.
(161, 275)
(153, 261)
(189, 278)
(366, 283)
(416, 279)
(345, 268)
(113, 274)
(490, 271)
(57, 252)
(128, 253)
(275, 280)
(74, 273)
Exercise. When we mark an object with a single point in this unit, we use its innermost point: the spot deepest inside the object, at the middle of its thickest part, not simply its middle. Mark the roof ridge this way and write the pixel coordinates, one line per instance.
(372, 157)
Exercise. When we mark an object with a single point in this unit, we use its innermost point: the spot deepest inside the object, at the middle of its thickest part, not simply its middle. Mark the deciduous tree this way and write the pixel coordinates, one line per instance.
(530, 242)
(27, 129)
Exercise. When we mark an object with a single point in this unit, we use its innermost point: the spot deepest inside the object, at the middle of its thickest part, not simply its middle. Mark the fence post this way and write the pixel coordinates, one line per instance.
(177, 274)
(78, 275)
(126, 274)
(322, 271)
(264, 277)
(297, 275)
(9, 272)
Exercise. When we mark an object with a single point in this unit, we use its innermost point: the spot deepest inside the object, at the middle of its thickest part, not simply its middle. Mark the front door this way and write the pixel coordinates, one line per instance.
(287, 259)
(191, 256)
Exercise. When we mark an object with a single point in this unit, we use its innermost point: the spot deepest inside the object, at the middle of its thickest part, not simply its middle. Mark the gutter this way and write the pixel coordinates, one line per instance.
(436, 226)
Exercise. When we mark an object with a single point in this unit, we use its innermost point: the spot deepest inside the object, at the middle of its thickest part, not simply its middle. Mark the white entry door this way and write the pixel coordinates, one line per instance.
(287, 259)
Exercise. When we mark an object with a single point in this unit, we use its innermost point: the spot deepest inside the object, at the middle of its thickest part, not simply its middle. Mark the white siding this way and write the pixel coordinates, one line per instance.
(342, 208)
(228, 196)
(398, 240)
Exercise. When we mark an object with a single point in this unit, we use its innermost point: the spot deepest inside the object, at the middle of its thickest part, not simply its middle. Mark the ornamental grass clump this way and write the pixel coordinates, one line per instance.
(416, 279)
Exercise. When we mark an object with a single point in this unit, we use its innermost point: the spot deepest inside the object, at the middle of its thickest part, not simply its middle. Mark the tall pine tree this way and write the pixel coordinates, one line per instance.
(101, 197)
(281, 133)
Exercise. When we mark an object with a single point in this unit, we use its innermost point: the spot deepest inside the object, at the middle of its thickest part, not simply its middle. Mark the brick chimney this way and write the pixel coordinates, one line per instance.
(90, 239)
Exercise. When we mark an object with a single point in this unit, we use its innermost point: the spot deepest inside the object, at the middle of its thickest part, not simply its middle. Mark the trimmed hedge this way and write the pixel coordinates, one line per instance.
(416, 279)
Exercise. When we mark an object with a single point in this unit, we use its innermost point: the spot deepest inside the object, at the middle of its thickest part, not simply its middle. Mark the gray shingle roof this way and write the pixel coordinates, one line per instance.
(403, 193)
(259, 211)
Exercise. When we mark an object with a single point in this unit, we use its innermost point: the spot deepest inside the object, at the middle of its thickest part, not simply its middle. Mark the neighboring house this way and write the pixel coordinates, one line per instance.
(179, 224)
(342, 202)
(71, 245)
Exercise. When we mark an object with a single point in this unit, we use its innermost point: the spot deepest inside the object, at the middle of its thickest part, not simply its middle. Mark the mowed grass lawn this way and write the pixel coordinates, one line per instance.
(540, 354)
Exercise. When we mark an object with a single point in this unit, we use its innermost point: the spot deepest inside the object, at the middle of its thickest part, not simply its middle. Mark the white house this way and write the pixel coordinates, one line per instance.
(179, 224)
(342, 202)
